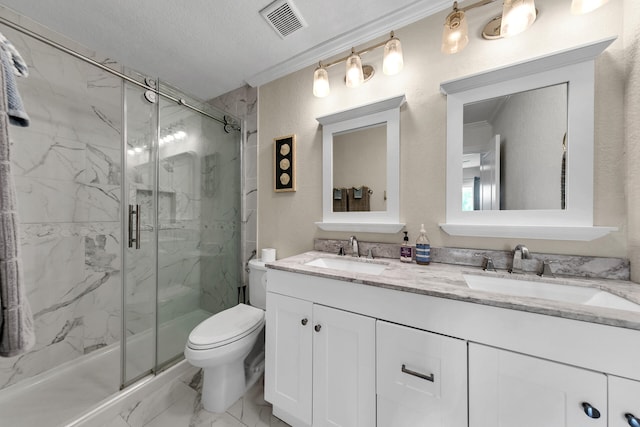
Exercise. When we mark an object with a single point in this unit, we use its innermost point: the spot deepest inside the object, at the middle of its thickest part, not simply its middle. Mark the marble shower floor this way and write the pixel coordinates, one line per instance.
(251, 410)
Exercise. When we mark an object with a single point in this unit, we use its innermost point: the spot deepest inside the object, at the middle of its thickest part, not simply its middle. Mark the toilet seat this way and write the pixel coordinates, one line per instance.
(226, 327)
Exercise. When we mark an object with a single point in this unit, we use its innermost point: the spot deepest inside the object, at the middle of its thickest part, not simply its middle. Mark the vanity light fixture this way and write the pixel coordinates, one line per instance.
(355, 73)
(516, 17)
(585, 6)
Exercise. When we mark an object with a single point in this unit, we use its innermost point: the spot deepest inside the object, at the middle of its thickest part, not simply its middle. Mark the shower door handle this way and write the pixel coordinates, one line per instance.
(134, 212)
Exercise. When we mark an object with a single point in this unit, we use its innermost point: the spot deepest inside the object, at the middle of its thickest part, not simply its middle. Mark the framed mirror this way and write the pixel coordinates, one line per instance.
(520, 149)
(361, 168)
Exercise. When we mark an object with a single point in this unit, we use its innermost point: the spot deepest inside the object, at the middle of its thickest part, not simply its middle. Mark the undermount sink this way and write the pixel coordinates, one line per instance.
(551, 291)
(345, 264)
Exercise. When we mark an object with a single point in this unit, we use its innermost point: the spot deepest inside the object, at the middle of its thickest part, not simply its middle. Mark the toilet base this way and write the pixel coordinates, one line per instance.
(223, 385)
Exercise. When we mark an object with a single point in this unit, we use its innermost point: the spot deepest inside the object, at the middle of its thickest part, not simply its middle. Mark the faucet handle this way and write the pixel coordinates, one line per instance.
(522, 250)
(341, 251)
(487, 262)
(546, 269)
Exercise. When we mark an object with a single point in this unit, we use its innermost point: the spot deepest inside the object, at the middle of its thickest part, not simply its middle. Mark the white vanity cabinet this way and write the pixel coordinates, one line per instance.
(624, 402)
(511, 389)
(321, 364)
(421, 378)
(492, 366)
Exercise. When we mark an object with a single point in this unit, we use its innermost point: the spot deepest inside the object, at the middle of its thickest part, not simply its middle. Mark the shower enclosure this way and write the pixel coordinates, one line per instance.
(129, 196)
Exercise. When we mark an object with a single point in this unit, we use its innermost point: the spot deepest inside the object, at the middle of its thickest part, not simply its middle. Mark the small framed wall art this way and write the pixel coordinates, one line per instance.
(284, 164)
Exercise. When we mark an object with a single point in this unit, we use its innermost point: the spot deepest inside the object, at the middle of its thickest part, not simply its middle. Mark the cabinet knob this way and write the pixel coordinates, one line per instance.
(590, 410)
(633, 421)
(304, 321)
(318, 327)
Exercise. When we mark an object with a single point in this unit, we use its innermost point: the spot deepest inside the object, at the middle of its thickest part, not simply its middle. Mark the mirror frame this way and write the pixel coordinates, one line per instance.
(574, 67)
(385, 111)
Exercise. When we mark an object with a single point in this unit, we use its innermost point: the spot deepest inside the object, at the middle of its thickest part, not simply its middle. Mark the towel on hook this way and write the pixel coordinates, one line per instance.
(340, 200)
(15, 108)
(18, 65)
(17, 333)
(359, 199)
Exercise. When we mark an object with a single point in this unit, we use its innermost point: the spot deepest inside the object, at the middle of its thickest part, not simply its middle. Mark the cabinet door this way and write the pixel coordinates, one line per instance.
(624, 402)
(421, 378)
(344, 369)
(508, 389)
(288, 352)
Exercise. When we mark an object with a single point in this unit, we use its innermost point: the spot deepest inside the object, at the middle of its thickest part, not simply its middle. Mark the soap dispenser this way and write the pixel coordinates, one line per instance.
(423, 248)
(406, 251)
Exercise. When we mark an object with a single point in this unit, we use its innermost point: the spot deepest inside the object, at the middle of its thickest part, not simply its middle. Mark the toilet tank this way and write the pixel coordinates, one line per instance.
(257, 284)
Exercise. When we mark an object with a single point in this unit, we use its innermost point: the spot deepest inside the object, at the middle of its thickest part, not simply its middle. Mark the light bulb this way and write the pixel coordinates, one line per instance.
(180, 134)
(138, 149)
(321, 82)
(455, 35)
(585, 6)
(393, 61)
(355, 76)
(131, 152)
(168, 138)
(517, 16)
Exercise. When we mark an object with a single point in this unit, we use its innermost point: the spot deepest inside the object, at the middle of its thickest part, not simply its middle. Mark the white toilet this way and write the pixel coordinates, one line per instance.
(220, 345)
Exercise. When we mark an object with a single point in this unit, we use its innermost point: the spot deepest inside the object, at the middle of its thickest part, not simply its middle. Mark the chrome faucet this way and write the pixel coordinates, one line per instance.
(355, 250)
(519, 253)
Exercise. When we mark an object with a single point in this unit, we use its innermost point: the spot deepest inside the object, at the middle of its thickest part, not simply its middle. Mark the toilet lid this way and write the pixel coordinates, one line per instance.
(227, 326)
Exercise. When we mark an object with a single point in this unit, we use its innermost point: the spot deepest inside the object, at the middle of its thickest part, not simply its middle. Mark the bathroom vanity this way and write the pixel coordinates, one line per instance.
(406, 345)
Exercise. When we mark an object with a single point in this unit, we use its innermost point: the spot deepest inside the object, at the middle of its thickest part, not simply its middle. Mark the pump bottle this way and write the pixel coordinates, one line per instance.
(423, 248)
(406, 251)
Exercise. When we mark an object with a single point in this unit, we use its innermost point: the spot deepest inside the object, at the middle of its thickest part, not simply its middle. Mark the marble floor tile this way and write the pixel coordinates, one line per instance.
(251, 410)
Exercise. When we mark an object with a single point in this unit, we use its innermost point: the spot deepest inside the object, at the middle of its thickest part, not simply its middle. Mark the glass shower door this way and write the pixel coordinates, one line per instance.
(182, 224)
(139, 235)
(199, 211)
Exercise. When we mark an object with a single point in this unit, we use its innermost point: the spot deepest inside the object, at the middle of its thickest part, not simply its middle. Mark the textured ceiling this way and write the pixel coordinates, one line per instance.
(208, 48)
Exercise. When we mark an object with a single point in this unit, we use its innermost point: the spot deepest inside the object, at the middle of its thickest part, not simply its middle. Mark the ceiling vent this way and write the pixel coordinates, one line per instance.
(284, 17)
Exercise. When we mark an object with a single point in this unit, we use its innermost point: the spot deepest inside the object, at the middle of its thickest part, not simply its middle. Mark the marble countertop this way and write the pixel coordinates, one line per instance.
(447, 281)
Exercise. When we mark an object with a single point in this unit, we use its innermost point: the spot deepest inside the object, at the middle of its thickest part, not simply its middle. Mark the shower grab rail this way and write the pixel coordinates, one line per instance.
(134, 212)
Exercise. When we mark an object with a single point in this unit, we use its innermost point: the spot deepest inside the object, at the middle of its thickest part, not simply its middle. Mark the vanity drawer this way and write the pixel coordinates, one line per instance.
(421, 377)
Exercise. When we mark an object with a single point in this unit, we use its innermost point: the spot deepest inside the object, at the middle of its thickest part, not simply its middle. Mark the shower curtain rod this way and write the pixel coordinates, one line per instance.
(103, 67)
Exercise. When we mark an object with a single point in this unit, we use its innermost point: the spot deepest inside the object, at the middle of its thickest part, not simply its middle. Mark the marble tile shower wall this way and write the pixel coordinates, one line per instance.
(68, 179)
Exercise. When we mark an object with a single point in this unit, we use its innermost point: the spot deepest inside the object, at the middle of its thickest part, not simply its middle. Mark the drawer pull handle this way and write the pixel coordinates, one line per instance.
(417, 374)
(304, 321)
(590, 410)
(633, 421)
